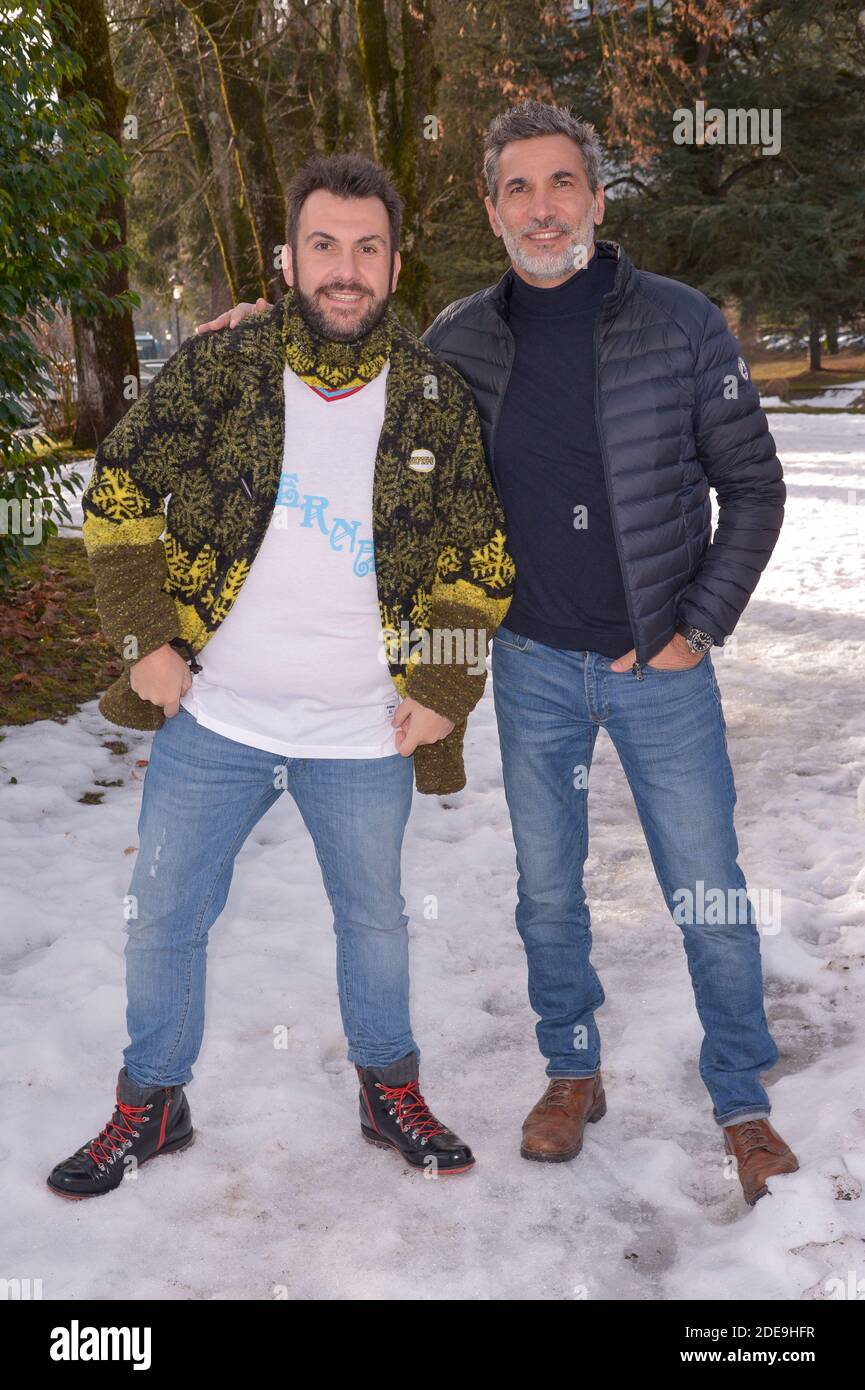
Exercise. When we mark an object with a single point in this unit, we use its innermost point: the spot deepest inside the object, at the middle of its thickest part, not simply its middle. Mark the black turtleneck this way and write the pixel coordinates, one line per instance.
(569, 591)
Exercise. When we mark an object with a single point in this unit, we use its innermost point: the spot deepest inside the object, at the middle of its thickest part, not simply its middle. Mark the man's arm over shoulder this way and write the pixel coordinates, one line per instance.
(737, 454)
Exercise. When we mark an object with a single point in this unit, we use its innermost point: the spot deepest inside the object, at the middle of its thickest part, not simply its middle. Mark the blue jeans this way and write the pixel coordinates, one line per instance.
(203, 794)
(669, 732)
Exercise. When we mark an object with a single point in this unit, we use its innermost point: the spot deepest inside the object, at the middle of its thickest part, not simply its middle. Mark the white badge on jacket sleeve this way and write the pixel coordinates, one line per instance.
(743, 370)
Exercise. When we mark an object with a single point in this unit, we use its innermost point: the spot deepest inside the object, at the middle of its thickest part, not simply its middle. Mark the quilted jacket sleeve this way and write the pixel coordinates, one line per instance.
(738, 457)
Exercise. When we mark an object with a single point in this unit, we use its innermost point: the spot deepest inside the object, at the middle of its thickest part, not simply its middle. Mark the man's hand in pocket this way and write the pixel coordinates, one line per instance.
(676, 656)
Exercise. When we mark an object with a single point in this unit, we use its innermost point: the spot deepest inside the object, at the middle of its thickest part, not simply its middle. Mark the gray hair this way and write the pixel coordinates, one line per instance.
(531, 118)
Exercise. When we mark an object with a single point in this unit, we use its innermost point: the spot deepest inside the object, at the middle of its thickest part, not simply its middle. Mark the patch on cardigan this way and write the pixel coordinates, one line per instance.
(422, 460)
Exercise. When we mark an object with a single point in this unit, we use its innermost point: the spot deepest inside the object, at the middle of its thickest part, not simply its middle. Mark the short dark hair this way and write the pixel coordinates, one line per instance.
(346, 176)
(529, 118)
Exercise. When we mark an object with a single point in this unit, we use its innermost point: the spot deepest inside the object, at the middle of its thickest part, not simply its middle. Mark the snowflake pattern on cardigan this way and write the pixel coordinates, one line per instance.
(208, 436)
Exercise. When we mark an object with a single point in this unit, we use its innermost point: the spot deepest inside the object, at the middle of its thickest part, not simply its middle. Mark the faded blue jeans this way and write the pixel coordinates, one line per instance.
(203, 794)
(669, 732)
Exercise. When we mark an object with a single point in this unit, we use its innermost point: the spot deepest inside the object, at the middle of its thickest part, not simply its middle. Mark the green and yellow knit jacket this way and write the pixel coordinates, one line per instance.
(208, 435)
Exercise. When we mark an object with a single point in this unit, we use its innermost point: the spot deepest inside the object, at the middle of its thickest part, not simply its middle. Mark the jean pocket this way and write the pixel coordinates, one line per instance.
(674, 670)
(515, 640)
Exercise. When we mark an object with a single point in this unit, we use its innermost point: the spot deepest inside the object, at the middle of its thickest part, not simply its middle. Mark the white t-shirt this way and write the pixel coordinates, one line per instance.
(297, 665)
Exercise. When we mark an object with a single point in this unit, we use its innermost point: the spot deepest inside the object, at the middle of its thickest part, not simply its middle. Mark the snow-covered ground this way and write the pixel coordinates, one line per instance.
(836, 397)
(82, 469)
(279, 1193)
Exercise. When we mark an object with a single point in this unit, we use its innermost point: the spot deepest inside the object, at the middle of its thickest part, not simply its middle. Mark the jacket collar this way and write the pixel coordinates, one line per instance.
(498, 296)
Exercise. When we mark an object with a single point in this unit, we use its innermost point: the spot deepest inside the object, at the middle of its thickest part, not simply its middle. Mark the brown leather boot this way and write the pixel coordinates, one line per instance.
(760, 1153)
(553, 1129)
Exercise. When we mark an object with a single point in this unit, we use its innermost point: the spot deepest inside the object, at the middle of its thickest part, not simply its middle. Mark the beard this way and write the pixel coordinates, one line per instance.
(314, 313)
(552, 265)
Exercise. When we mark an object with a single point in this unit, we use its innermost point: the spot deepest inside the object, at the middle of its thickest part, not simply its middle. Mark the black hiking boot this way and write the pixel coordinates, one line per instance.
(394, 1115)
(147, 1121)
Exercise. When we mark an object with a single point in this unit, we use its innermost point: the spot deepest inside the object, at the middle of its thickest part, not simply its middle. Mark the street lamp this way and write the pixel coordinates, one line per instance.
(176, 284)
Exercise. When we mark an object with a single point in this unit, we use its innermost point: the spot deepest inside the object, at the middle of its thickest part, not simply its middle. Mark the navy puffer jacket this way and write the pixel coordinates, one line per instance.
(677, 413)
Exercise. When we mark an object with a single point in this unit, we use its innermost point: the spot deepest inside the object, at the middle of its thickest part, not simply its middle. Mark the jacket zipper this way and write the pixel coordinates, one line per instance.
(635, 667)
(501, 401)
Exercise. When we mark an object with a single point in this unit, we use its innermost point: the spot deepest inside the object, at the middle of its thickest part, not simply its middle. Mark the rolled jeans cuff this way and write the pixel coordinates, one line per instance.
(745, 1115)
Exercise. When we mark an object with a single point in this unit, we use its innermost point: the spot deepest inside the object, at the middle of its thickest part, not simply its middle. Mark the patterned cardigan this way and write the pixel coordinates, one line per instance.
(208, 435)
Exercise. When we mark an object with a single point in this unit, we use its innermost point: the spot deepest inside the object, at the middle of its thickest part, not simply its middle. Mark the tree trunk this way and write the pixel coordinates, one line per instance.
(229, 26)
(415, 152)
(814, 344)
(747, 331)
(221, 292)
(329, 62)
(832, 336)
(396, 118)
(379, 80)
(188, 60)
(105, 353)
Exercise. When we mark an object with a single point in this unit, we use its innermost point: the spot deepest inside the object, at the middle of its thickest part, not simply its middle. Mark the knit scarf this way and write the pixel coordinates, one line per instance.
(333, 370)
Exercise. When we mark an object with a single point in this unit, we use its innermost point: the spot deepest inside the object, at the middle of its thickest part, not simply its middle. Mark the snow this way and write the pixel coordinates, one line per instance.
(81, 468)
(279, 1196)
(835, 397)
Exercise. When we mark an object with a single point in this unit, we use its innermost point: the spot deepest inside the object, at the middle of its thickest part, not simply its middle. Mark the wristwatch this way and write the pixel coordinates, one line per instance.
(698, 641)
(187, 653)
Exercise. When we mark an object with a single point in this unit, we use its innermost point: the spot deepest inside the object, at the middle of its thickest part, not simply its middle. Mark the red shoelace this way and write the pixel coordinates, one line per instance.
(416, 1116)
(108, 1142)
